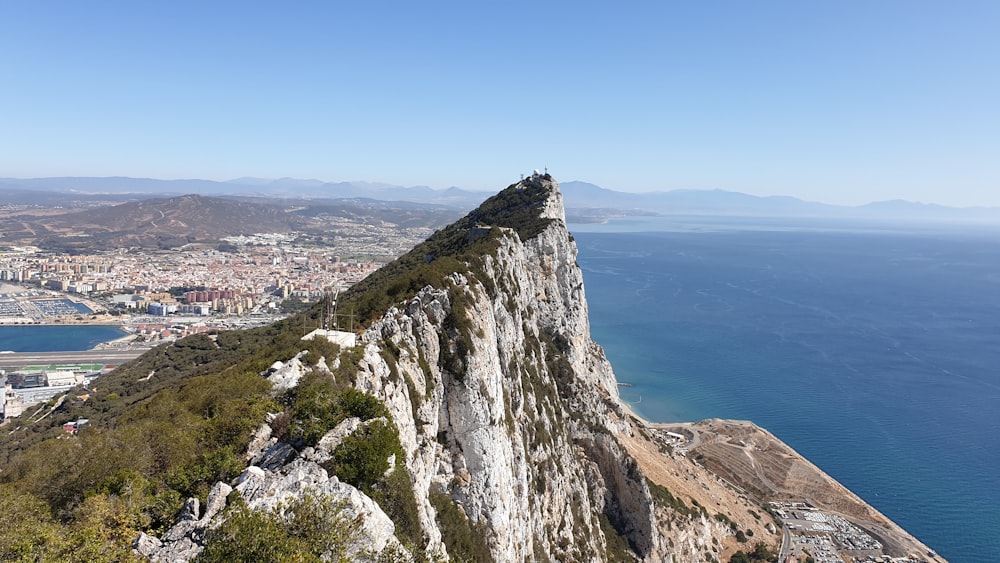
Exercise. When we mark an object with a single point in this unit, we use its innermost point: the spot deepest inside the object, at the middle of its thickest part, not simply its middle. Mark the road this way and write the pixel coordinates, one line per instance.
(21, 359)
(786, 543)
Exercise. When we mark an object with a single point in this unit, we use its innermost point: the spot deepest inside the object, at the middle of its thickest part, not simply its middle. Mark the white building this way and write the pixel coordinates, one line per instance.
(60, 378)
(342, 339)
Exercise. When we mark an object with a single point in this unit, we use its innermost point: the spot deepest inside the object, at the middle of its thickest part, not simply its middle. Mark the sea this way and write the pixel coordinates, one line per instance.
(872, 350)
(53, 338)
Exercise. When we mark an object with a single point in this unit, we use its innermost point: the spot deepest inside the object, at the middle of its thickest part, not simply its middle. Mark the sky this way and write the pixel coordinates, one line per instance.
(841, 102)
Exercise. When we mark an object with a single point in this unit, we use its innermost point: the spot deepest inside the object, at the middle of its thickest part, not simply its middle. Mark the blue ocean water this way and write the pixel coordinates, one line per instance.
(876, 354)
(50, 338)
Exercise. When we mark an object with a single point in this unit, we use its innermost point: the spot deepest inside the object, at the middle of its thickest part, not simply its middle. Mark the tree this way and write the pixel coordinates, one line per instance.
(293, 304)
(760, 554)
(363, 457)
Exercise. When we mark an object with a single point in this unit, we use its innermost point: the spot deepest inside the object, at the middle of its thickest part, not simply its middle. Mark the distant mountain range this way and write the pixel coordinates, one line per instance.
(585, 202)
(588, 201)
(120, 188)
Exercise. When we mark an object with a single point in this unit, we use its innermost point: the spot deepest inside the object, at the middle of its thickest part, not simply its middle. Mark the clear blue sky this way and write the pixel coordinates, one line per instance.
(833, 101)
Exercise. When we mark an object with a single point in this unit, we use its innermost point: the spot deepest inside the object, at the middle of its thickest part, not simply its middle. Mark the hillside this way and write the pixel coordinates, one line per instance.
(166, 223)
(153, 224)
(475, 420)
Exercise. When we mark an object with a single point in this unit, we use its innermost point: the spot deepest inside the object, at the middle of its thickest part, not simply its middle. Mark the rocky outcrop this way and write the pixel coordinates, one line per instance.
(286, 375)
(277, 476)
(502, 402)
(520, 427)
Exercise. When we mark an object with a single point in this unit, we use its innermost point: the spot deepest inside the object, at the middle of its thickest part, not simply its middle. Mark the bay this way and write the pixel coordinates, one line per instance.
(874, 353)
(56, 338)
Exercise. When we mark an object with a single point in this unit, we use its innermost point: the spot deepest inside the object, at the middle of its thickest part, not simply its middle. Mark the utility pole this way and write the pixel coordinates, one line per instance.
(336, 301)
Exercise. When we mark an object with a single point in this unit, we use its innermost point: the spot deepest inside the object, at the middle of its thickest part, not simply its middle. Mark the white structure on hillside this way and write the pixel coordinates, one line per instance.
(13, 404)
(62, 377)
(341, 338)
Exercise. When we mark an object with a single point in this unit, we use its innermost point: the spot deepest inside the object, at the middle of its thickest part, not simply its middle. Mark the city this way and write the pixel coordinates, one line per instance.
(160, 296)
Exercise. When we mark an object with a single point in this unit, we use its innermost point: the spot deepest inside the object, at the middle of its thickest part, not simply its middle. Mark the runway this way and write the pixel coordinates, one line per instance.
(21, 359)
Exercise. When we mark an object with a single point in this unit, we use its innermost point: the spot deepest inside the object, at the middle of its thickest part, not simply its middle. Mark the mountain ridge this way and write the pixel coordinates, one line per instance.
(283, 187)
(163, 223)
(475, 420)
(586, 202)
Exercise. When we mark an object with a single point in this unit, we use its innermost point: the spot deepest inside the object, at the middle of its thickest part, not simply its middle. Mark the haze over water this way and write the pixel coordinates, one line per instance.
(875, 354)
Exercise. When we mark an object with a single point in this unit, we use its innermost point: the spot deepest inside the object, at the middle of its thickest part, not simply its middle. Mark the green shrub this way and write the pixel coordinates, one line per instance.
(363, 457)
(464, 539)
(318, 403)
(726, 520)
(101, 531)
(319, 348)
(396, 498)
(314, 406)
(28, 532)
(663, 496)
(760, 554)
(362, 405)
(309, 529)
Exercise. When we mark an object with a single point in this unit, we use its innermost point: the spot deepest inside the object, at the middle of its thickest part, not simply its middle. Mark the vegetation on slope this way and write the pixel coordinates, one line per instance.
(167, 427)
(457, 248)
(760, 554)
(464, 539)
(171, 423)
(308, 529)
(165, 367)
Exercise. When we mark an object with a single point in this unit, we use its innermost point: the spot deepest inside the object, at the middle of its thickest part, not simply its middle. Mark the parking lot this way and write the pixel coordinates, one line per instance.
(824, 535)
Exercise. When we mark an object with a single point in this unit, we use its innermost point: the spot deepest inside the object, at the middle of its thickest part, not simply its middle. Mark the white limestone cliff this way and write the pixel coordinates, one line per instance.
(521, 435)
(504, 403)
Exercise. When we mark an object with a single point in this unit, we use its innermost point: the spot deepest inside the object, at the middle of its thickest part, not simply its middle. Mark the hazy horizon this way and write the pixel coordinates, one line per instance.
(252, 181)
(843, 103)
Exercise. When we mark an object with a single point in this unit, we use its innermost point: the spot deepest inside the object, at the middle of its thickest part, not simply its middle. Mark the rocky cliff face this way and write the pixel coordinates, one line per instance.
(504, 407)
(501, 426)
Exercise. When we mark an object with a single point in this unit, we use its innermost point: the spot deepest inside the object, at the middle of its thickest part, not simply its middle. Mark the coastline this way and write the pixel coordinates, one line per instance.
(880, 373)
(863, 514)
(19, 293)
(120, 342)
